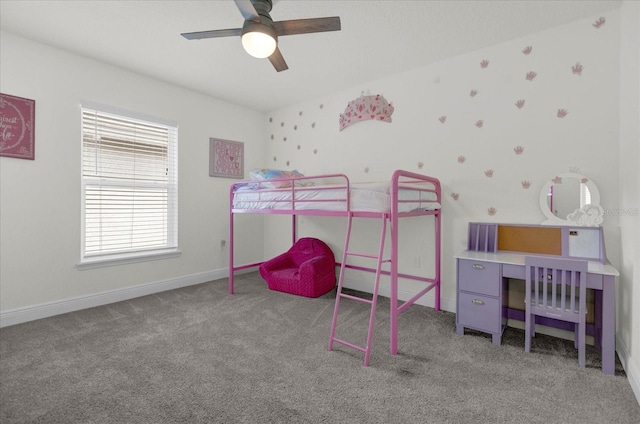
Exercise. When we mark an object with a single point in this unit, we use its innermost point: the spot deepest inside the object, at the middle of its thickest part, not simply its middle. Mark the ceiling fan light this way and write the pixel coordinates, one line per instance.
(258, 44)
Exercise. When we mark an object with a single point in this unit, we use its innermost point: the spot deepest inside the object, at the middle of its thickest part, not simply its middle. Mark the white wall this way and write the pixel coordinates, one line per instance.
(629, 210)
(307, 137)
(599, 137)
(40, 199)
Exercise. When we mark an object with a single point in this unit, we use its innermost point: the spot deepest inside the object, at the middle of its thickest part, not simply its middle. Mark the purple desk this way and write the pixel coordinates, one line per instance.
(481, 298)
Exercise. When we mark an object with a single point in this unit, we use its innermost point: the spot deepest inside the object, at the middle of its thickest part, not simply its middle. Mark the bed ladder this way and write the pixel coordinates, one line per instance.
(373, 302)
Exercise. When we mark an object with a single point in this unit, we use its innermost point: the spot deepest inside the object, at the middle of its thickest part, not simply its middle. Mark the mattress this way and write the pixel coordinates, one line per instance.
(364, 197)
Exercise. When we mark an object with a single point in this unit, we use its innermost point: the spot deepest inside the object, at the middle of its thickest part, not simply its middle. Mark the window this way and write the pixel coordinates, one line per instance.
(129, 188)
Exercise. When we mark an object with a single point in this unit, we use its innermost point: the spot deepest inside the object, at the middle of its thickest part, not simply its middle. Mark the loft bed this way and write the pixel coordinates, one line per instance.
(405, 195)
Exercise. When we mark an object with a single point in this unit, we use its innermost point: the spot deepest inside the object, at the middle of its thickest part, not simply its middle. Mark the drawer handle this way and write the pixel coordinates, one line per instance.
(477, 302)
(478, 266)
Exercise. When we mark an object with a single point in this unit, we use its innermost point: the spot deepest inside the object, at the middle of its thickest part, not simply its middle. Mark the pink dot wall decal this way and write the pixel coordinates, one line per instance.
(577, 69)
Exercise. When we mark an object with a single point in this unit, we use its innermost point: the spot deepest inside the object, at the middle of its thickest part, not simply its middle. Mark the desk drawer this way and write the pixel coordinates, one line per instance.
(479, 277)
(480, 312)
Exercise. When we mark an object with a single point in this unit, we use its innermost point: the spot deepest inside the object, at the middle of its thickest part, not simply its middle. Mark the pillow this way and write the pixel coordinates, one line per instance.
(266, 174)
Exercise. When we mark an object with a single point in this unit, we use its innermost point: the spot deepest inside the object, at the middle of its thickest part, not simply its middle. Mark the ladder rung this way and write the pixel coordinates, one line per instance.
(346, 343)
(366, 255)
(358, 299)
(363, 255)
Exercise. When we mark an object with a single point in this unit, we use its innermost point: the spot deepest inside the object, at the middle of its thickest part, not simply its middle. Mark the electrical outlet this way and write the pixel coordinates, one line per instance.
(416, 262)
(223, 244)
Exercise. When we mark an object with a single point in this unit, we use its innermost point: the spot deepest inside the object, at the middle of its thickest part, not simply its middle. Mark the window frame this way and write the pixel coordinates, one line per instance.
(170, 249)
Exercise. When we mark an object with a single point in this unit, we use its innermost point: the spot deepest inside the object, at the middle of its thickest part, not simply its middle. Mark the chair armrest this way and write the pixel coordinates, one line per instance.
(281, 261)
(318, 265)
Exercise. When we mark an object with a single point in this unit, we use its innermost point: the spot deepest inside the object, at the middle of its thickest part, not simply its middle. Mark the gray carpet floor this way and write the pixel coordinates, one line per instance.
(198, 355)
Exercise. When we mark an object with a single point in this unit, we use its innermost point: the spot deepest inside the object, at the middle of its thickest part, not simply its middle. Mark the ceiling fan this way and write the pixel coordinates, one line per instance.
(260, 34)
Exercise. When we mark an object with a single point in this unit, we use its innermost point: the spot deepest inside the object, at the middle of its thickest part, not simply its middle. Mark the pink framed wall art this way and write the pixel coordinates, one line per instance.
(226, 158)
(17, 127)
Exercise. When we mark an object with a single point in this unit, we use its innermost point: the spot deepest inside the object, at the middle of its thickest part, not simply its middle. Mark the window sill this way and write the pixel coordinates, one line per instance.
(127, 259)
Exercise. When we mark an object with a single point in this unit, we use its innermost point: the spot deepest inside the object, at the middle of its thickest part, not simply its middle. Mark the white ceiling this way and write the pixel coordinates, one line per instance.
(378, 39)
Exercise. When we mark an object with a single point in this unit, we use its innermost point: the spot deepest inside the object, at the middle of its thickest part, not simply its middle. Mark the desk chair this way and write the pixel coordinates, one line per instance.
(556, 288)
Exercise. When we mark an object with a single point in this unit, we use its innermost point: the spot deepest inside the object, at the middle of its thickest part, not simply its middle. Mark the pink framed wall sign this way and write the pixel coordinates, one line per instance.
(17, 127)
(226, 158)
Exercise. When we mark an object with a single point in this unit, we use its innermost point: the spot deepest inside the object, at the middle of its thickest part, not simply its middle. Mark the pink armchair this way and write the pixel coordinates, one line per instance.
(306, 269)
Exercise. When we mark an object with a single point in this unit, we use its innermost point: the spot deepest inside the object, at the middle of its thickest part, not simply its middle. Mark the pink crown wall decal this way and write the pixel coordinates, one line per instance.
(366, 108)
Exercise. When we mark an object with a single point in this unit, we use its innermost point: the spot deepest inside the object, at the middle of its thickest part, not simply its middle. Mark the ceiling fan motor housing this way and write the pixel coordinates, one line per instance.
(260, 26)
(265, 24)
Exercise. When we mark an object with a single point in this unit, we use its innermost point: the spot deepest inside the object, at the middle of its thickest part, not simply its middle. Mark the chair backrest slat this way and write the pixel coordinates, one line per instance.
(556, 284)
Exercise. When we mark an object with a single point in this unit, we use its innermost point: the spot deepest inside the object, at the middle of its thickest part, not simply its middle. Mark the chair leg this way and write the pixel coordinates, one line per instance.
(576, 329)
(533, 326)
(527, 331)
(582, 344)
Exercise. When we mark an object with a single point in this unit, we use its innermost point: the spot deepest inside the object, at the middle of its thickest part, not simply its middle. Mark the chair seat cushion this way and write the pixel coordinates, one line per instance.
(289, 281)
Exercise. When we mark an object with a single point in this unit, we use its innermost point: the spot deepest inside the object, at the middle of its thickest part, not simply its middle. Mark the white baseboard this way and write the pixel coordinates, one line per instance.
(32, 313)
(45, 310)
(630, 368)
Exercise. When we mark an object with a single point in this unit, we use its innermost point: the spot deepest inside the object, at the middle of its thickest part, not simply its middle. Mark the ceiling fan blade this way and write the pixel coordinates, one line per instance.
(248, 11)
(212, 34)
(306, 26)
(277, 61)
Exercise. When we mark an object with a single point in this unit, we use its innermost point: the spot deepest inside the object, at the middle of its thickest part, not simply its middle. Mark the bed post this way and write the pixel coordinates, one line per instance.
(438, 217)
(294, 229)
(393, 285)
(231, 269)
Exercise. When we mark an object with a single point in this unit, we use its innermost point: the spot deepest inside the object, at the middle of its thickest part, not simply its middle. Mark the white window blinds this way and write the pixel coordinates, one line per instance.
(129, 182)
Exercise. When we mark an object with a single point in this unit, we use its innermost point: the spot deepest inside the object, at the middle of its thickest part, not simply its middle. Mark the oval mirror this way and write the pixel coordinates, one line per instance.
(571, 199)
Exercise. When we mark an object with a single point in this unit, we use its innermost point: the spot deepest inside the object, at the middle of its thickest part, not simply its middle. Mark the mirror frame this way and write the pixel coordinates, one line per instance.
(544, 207)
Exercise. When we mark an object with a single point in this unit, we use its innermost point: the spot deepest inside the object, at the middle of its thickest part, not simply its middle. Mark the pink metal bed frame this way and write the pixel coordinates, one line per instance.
(399, 180)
